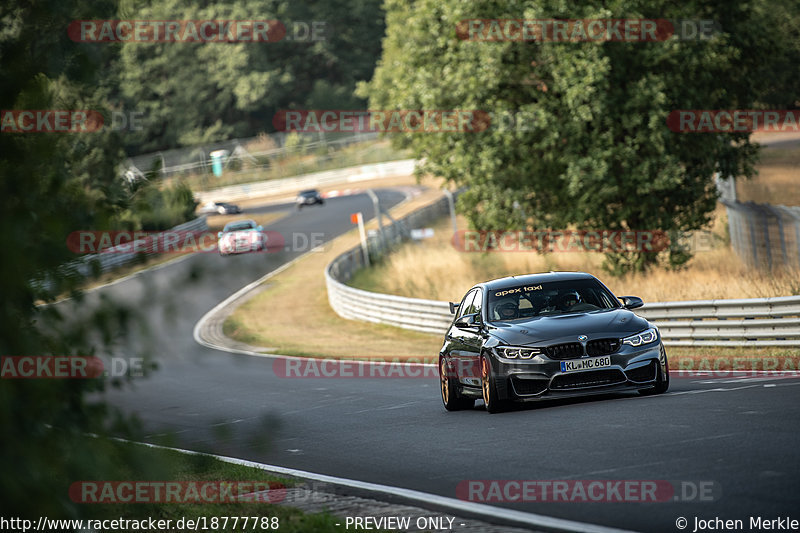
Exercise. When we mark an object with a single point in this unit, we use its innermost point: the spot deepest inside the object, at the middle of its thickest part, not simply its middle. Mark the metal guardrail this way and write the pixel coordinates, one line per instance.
(112, 258)
(403, 167)
(746, 322)
(410, 313)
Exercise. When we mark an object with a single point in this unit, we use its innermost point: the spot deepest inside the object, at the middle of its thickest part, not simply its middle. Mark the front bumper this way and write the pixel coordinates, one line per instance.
(240, 246)
(632, 368)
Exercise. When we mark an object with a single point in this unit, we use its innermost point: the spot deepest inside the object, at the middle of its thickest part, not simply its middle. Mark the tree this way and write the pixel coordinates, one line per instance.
(591, 148)
(194, 93)
(50, 184)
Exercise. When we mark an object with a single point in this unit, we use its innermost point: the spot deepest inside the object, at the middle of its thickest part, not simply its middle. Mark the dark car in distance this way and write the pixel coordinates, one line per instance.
(221, 208)
(309, 197)
(551, 335)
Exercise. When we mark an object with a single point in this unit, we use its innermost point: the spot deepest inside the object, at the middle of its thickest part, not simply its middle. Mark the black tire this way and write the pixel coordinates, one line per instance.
(451, 397)
(489, 389)
(662, 380)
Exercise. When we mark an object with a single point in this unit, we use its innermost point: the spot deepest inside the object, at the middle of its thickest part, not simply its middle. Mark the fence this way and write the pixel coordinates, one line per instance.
(113, 258)
(764, 235)
(747, 322)
(409, 313)
(198, 159)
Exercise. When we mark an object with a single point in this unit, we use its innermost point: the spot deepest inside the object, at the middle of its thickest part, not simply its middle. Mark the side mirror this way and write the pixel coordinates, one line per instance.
(219, 235)
(468, 321)
(259, 228)
(631, 302)
(453, 307)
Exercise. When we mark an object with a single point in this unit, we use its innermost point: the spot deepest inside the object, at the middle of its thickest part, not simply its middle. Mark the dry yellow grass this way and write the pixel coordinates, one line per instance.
(297, 300)
(435, 269)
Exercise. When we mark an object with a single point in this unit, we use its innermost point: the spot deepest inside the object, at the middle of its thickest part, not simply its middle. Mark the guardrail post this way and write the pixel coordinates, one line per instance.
(376, 203)
(797, 239)
(765, 222)
(753, 240)
(363, 233)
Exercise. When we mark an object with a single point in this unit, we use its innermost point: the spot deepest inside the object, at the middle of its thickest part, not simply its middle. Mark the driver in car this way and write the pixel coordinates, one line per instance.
(506, 309)
(568, 300)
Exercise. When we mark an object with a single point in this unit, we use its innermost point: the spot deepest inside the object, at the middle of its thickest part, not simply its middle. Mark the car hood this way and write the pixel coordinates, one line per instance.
(239, 234)
(615, 323)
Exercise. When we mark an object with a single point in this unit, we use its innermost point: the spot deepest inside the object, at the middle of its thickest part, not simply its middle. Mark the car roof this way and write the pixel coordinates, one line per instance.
(543, 277)
(309, 191)
(251, 223)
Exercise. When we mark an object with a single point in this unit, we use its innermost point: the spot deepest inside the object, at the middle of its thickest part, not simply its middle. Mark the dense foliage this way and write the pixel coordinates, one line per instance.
(591, 148)
(191, 93)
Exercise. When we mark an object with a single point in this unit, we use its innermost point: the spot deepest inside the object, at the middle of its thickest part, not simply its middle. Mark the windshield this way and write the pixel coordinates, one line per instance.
(517, 302)
(240, 226)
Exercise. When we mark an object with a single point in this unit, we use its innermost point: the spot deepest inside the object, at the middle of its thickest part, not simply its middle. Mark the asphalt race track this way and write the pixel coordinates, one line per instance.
(738, 434)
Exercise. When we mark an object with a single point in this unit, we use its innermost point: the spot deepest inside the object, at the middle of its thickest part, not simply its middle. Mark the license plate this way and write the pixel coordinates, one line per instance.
(590, 363)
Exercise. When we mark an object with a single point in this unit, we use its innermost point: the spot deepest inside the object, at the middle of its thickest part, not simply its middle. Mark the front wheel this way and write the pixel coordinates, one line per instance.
(489, 388)
(450, 396)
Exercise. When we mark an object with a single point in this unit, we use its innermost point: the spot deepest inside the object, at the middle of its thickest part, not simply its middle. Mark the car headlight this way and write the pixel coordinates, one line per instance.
(645, 337)
(517, 352)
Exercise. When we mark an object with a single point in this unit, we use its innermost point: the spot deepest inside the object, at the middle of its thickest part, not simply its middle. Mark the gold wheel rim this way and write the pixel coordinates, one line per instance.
(443, 380)
(485, 380)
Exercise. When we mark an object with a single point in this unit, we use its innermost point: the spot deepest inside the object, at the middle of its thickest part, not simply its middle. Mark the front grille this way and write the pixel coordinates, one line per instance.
(602, 347)
(643, 373)
(592, 378)
(528, 387)
(569, 350)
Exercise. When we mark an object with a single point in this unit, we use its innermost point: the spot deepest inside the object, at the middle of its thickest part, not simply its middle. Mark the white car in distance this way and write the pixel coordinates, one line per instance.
(241, 236)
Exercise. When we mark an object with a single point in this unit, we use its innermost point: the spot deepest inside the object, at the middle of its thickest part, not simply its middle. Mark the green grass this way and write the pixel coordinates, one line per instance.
(141, 463)
(233, 328)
